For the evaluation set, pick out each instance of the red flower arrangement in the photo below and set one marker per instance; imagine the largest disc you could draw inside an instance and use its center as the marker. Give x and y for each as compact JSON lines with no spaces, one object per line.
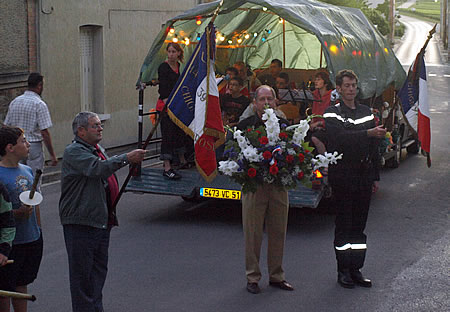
{"x":267,"y":155}
{"x":273,"y":169}
{"x":263,"y":140}
{"x":289,"y":158}
{"x":301,"y":157}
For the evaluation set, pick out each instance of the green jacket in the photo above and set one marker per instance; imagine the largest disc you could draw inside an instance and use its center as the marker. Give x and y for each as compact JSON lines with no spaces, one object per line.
{"x":83,"y":182}
{"x":7,"y":228}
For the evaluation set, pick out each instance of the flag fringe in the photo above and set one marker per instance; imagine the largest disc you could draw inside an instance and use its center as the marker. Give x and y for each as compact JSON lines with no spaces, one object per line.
{"x":209,"y":178}
{"x":180,"y":124}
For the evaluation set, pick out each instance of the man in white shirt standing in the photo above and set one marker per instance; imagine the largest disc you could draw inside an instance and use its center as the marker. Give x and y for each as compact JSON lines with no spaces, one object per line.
{"x":29,"y":112}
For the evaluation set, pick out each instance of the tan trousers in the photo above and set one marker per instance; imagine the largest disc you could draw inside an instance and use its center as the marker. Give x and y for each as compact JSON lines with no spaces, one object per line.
{"x":270,"y":205}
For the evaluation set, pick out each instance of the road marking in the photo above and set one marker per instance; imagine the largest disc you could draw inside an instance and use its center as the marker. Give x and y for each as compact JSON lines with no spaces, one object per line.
{"x":51,"y":183}
{"x":432,"y":75}
{"x":446,"y":76}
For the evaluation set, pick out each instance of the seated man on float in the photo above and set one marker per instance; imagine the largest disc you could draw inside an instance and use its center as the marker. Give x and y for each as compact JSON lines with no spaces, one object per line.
{"x":322,"y":96}
{"x":290,"y":109}
{"x":249,"y":78}
{"x":270,"y":78}
{"x":232,"y":105}
{"x":223,"y":86}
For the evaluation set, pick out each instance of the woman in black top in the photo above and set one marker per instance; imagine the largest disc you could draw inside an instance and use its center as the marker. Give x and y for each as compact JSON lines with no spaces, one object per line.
{"x":172,"y":136}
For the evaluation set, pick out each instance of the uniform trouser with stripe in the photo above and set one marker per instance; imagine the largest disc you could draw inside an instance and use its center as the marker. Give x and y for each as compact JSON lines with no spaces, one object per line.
{"x":270,"y":206}
{"x":352,"y":208}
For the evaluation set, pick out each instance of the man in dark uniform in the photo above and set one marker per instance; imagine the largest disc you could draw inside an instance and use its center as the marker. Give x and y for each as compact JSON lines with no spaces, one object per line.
{"x":351,"y":131}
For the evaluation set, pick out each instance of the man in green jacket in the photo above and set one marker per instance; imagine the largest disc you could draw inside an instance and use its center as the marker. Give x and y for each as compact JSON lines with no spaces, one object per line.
{"x":88,"y":191}
{"x":7,"y":228}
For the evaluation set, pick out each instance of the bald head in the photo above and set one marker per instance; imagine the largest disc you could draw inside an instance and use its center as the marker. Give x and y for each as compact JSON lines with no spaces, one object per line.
{"x":264,"y":95}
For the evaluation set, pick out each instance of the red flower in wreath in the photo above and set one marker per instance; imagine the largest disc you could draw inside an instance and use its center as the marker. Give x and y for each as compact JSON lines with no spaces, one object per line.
{"x":251,"y":172}
{"x":249,"y":130}
{"x":301,"y":157}
{"x":267,"y":155}
{"x":263,"y":140}
{"x":257,"y":131}
{"x":283,"y":135}
{"x":300,"y":175}
{"x":273,"y":169}
{"x":289,"y":158}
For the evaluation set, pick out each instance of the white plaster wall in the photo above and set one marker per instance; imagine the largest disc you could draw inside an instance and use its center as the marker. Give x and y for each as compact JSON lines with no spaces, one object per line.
{"x":127,"y":37}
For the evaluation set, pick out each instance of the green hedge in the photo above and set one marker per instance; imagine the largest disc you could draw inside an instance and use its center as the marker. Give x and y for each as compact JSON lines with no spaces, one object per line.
{"x":432,"y":17}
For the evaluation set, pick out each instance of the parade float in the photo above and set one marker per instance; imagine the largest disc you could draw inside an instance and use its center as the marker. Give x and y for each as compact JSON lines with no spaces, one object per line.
{"x":307,"y":36}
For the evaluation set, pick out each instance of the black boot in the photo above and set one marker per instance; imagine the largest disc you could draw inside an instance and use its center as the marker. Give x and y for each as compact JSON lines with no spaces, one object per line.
{"x":359,"y":279}
{"x":345,"y":280}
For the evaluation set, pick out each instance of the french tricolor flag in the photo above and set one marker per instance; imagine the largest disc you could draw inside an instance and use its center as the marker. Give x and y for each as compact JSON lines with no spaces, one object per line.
{"x":414,"y":98}
{"x":194,"y":104}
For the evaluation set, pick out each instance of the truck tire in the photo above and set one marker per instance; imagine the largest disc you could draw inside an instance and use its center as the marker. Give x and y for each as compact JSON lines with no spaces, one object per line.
{"x":394,"y":162}
{"x":413,"y":148}
{"x":193,"y":198}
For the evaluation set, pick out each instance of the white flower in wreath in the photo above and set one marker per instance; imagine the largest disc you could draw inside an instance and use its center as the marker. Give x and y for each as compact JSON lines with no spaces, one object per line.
{"x":323,"y":161}
{"x":242,"y":141}
{"x":286,"y":180}
{"x":272,"y":126}
{"x":291,"y":151}
{"x":300,"y":131}
{"x":269,"y":179}
{"x":252,"y":154}
{"x":228,"y":167}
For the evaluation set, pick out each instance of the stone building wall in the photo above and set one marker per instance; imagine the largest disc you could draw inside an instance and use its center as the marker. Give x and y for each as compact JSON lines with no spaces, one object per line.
{"x":18,"y":49}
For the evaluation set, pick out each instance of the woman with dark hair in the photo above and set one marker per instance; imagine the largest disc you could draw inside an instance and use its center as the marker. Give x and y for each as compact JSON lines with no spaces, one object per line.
{"x":173,"y":138}
{"x":322,"y":96}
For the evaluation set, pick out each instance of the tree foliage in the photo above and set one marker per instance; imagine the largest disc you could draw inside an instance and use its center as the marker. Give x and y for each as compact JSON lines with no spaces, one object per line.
{"x":373,"y":15}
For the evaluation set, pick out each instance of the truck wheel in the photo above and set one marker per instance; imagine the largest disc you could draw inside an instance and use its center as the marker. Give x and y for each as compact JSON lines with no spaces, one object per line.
{"x":413,"y":148}
{"x":193,"y":198}
{"x":394,"y":162}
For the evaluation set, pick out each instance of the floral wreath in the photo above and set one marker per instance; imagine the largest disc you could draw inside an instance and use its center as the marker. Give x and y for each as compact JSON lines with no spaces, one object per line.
{"x":272,"y":154}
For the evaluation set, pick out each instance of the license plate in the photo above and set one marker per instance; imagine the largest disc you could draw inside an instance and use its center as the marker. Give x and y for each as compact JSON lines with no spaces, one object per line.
{"x":220,"y":193}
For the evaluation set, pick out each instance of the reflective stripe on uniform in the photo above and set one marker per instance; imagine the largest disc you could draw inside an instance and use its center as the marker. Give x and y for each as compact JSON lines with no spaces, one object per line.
{"x":351,"y":246}
{"x":355,"y":122}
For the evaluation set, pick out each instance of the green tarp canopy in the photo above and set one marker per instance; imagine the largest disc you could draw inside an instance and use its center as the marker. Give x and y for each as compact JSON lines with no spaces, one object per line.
{"x":305,"y":34}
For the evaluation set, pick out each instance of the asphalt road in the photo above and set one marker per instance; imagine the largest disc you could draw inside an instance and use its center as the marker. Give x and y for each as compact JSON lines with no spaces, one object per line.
{"x":415,"y":35}
{"x":167,"y":255}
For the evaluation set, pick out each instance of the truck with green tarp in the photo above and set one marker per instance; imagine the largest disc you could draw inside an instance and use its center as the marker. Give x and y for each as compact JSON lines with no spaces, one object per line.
{"x":307,"y":36}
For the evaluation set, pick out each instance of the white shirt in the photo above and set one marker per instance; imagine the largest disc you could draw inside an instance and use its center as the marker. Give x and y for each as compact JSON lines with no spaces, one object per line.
{"x":29,"y":112}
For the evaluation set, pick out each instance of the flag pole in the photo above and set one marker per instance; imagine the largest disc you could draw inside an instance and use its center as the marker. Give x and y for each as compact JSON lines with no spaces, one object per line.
{"x":216,"y":12}
{"x":155,"y":126}
{"x":430,"y":35}
{"x":415,"y":72}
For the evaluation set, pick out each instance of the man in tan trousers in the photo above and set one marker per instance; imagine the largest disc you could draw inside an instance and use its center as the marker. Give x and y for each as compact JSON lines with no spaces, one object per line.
{"x":269,"y":205}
